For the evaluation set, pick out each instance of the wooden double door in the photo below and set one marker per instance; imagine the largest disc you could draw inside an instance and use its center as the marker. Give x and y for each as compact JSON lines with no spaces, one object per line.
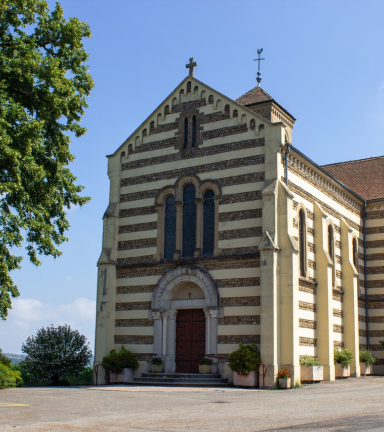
{"x":190,"y":340}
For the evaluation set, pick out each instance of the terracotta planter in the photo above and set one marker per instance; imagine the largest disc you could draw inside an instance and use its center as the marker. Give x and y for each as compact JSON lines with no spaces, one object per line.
{"x":250,"y":380}
{"x":122,"y":377}
{"x":156,"y":368}
{"x":365,"y":369}
{"x":285,"y":383}
{"x":341,"y":372}
{"x":311,"y":373}
{"x":205,"y":369}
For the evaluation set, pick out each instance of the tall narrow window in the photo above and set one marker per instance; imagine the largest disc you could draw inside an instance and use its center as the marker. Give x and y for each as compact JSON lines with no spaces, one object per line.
{"x":354,"y":251}
{"x":193,"y":131}
{"x":302,"y":237}
{"x":208,"y":223}
{"x":330,"y":241}
{"x":170,"y":228}
{"x":185,"y":132}
{"x":189,"y":221}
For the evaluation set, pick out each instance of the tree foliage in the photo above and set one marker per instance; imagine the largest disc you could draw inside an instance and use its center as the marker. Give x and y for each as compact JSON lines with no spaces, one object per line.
{"x":54,"y":353}
{"x":8,"y":376}
{"x":117,"y":361}
{"x":44,"y":84}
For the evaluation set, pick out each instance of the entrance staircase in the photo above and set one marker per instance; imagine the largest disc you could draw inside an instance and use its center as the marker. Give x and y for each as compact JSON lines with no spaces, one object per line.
{"x":180,"y":379}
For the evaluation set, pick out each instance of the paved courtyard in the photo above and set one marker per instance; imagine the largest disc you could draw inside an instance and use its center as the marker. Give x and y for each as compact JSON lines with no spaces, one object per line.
{"x":348,"y":405}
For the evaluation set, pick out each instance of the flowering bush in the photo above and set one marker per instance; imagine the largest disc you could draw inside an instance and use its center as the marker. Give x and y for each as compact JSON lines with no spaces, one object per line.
{"x":205,"y":361}
{"x":283,"y":373}
{"x":245,"y":359}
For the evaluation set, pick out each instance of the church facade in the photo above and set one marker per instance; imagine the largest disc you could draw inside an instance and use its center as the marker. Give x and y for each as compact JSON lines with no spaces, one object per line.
{"x":219,"y":232}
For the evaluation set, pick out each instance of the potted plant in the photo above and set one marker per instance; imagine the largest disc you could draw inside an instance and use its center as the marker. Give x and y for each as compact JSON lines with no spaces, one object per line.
{"x":245,"y":363}
{"x":157,"y":364}
{"x":310,"y":369}
{"x":366,"y":362}
{"x":205,"y":365}
{"x":284,"y":379}
{"x":120,"y":365}
{"x":343,"y":359}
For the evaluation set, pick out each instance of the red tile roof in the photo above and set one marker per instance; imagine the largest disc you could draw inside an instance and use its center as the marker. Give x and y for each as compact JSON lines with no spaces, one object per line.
{"x":256,"y":95}
{"x":364,"y":176}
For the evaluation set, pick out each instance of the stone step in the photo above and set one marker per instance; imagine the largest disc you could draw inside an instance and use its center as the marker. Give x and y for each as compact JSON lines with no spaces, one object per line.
{"x":165,"y":383}
{"x":179,"y":375}
{"x":191,"y":380}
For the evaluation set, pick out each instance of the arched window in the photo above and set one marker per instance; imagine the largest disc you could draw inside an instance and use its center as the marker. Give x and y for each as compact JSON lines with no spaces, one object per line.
{"x":330,"y":241}
{"x":208,"y":222}
{"x":170,"y":227}
{"x":189,"y":221}
{"x":193,"y":131}
{"x":210,"y":99}
{"x":235,"y":113}
{"x":302,"y":242}
{"x":354,"y":251}
{"x":253,"y":124}
{"x":185,"y":132}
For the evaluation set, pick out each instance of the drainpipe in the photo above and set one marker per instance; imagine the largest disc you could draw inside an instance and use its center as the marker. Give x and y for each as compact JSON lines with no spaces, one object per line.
{"x":286,"y":162}
{"x":365,"y":276}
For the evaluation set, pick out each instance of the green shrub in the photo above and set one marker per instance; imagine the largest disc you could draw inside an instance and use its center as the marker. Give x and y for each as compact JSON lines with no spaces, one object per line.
{"x":245,"y":359}
{"x":367,"y":357}
{"x":117,"y":361}
{"x":157,"y":361}
{"x":85,"y":377}
{"x":8,"y":377}
{"x":343,"y":356}
{"x":205,"y":361}
{"x":309,"y":361}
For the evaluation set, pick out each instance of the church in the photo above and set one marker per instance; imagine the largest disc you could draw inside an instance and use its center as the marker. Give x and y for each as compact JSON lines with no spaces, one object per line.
{"x":219,"y":231}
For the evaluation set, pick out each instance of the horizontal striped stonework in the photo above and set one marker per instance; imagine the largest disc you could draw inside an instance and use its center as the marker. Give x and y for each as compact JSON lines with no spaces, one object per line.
{"x":164,"y":128}
{"x":138,"y":211}
{"x":377,"y":214}
{"x":135,"y":289}
{"x":311,"y":231}
{"x":375,"y":230}
{"x":250,"y":250}
{"x":241,"y":197}
{"x":379,"y":362}
{"x":337,"y":295}
{"x":134,"y":322}
{"x":339,"y":274}
{"x":338,"y":328}
{"x":375,"y":270}
{"x":338,"y":344}
{"x":374,"y":257}
{"x":139,"y":195}
{"x":199,"y":169}
{"x":133,"y":340}
{"x":238,"y":264}
{"x":376,"y":347}
{"x":156,"y":145}
{"x":137,"y":244}
{"x":309,"y":342}
{"x":148,"y":226}
{"x":174,"y":157}
{"x":361,"y":302}
{"x":375,"y":244}
{"x":307,"y":306}
{"x":237,"y":339}
{"x":310,"y":214}
{"x":240,"y":301}
{"x":337,"y":229}
{"x":214,"y":117}
{"x":374,"y":284}
{"x":338,"y":259}
{"x":140,"y":260}
{"x":177,"y":108}
{"x":240,"y":320}
{"x":226,"y":131}
{"x":237,"y":282}
{"x":133,"y":306}
{"x":311,"y":264}
{"x":376,"y":333}
{"x":311,"y":247}
{"x":375,"y":305}
{"x":362,"y":318}
{"x":240,"y":215}
{"x":307,"y":286}
{"x":240,"y":233}
{"x":338,"y":313}
{"x":337,"y":244}
{"x":305,"y":323}
{"x":375,"y":319}
{"x":362,"y":333}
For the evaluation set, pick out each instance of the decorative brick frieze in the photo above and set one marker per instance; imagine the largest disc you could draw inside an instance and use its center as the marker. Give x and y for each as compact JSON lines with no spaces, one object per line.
{"x":362,"y":318}
{"x":374,"y":257}
{"x":223,"y":132}
{"x":338,"y":259}
{"x":374,"y":284}
{"x":214,"y":117}
{"x":143,"y":322}
{"x":375,"y":297}
{"x":138,"y":211}
{"x":133,"y":306}
{"x":361,"y":303}
{"x":311,"y":264}
{"x":361,"y":243}
{"x":141,"y":272}
{"x":309,"y":342}
{"x":237,"y":282}
{"x":156,"y":145}
{"x":188,"y":105}
{"x":305,"y":323}
{"x":338,"y":328}
{"x":164,"y":128}
{"x":375,"y":319}
{"x":135,"y":289}
{"x":338,"y":344}
{"x":377,"y":214}
{"x":139,"y":195}
{"x":148,"y":226}
{"x":338,"y":313}
{"x":236,"y":339}
{"x":240,"y":320}
{"x":240,"y":301}
{"x":337,"y":296}
{"x":312,"y":279}
{"x":310,"y":215}
{"x":376,"y":333}
{"x":375,"y":270}
{"x":337,"y":244}
{"x":361,"y":282}
{"x":337,"y":229}
{"x":311,"y":247}
{"x":240,"y":251}
{"x":308,"y":289}
{"x":199,"y":169}
{"x":374,"y":230}
{"x":240,"y":215}
{"x":241,"y":197}
{"x":133,"y":340}
{"x":240,"y":233}
{"x":307,"y":306}
{"x":375,"y":305}
{"x":238,"y":264}
{"x":311,"y":231}
{"x":339,"y":274}
{"x":375,"y":244}
{"x":137,"y":244}
{"x":139,"y":260}
{"x":199,"y":152}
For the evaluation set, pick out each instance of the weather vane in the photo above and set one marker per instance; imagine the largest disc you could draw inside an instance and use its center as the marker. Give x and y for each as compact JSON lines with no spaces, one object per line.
{"x":258,"y":79}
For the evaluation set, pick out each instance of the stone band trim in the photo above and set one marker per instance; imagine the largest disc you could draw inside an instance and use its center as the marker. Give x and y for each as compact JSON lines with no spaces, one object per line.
{"x":156,"y":145}
{"x":375,"y":257}
{"x":135,"y":289}
{"x":375,"y":244}
{"x":188,"y":105}
{"x":140,"y":260}
{"x":311,"y":264}
{"x":338,"y":328}
{"x":251,"y":250}
{"x":338,"y":344}
{"x":237,"y":282}
{"x":374,"y":230}
{"x":138,"y":211}
{"x":199,"y":152}
{"x":375,"y":270}
{"x":237,"y":339}
{"x":305,"y":323}
{"x":137,"y":244}
{"x":338,"y":313}
{"x":241,"y":197}
{"x":307,"y":306}
{"x":305,"y":341}
{"x":137,"y":227}
{"x":376,"y":333}
{"x":133,"y":306}
{"x":376,"y":214}
{"x":133,"y":340}
{"x":134,"y":322}
{"x":374,"y":284}
{"x":240,"y":301}
{"x":376,"y":305}
{"x":338,"y":296}
{"x":223,"y":132}
{"x":240,"y":320}
{"x":164,"y":128}
{"x":240,"y":233}
{"x":240,"y":215}
{"x":135,"y":196}
{"x":214,"y":117}
{"x":224,"y":265}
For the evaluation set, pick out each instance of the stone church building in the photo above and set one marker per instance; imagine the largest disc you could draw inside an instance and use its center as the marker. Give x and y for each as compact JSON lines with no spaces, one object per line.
{"x":219,"y":232}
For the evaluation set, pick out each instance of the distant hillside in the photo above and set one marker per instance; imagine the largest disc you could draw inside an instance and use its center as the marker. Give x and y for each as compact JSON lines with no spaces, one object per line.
{"x":15,"y":358}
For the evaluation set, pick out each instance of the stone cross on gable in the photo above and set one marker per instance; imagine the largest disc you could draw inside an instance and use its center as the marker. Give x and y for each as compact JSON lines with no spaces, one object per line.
{"x":190,"y":66}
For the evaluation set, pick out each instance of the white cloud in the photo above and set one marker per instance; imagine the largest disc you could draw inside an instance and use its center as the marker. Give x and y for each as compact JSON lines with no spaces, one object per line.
{"x":28,"y":315}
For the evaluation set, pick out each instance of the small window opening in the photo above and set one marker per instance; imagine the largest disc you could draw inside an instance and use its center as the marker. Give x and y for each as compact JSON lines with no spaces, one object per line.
{"x":193,"y":131}
{"x":185,"y":132}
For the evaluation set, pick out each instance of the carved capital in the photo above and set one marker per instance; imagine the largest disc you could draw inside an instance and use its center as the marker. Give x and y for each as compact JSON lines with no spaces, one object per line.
{"x":165,"y":315}
{"x":156,"y":315}
{"x":214,"y":313}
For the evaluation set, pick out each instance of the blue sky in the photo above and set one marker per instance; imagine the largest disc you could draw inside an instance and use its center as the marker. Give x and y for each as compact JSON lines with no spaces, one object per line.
{"x":324,"y":64}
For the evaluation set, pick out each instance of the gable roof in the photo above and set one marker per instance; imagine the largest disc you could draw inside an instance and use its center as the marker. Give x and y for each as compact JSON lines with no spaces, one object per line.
{"x":254,"y":96}
{"x":364,"y":176}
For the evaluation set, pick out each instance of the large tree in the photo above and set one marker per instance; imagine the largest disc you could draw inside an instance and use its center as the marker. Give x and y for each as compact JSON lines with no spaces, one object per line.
{"x":44,"y":85}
